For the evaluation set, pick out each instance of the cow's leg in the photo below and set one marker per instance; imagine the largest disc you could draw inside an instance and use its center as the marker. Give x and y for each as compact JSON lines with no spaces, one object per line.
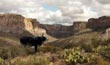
{"x":35,"y":49}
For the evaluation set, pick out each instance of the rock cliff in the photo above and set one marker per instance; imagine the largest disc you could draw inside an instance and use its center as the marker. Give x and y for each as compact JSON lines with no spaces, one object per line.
{"x":61,"y":31}
{"x":33,"y":26}
{"x":58,"y":31}
{"x":18,"y":25}
{"x":99,"y":23}
{"x":12,"y":24}
{"x":79,"y":26}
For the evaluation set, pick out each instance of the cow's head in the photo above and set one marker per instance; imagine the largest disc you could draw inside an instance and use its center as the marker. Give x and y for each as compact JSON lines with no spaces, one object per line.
{"x":43,"y":37}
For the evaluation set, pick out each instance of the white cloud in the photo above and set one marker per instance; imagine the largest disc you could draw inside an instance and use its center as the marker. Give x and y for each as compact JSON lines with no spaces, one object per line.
{"x":68,"y":10}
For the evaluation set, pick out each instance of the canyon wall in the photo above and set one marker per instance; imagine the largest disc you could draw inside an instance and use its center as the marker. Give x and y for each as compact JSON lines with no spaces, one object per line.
{"x":58,"y":31}
{"x":17,"y":25}
{"x":79,"y":26}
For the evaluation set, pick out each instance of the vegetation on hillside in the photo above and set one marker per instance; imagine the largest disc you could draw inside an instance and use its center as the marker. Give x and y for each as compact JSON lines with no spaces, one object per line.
{"x":95,"y":53}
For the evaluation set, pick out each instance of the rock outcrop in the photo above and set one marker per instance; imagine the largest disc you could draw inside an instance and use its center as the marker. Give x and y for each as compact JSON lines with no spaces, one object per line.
{"x":18,"y":25}
{"x":79,"y":26}
{"x":33,"y":26}
{"x":99,"y":23}
{"x":12,"y":24}
{"x":28,"y":24}
{"x":58,"y":31}
{"x":61,"y":31}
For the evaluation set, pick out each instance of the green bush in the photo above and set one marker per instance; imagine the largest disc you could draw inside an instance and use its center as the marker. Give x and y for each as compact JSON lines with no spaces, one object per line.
{"x":74,"y":56}
{"x":1,"y":61}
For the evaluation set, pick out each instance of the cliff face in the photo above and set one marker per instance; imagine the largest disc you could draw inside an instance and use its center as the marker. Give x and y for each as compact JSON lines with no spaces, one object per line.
{"x":17,"y":25}
{"x":12,"y":24}
{"x":11,"y":21}
{"x":33,"y":26}
{"x":28,"y":24}
{"x":99,"y":23}
{"x":79,"y":25}
{"x":58,"y":31}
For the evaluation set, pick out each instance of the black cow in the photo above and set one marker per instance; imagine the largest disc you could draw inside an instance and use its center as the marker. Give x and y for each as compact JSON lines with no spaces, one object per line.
{"x":32,"y":41}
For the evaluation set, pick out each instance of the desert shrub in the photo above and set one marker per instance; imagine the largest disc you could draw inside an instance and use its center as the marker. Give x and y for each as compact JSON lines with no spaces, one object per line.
{"x":5,"y":53}
{"x":33,"y":60}
{"x":87,"y":47}
{"x":28,"y":50}
{"x":14,"y":51}
{"x":106,"y":42}
{"x":104,"y":51}
{"x":52,"y":49}
{"x":39,"y":60}
{"x":95,"y":42}
{"x":1,"y":61}
{"x":69,"y":46}
{"x":74,"y":56}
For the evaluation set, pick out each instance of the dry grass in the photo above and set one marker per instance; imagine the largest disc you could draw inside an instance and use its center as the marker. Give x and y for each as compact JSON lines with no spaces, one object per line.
{"x":8,"y":41}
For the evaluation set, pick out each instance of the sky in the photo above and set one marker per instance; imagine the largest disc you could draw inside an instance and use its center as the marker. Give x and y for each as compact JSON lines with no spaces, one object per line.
{"x":57,"y":11}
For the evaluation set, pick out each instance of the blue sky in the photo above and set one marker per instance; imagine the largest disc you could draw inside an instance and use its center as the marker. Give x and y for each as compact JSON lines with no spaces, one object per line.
{"x":49,"y":7}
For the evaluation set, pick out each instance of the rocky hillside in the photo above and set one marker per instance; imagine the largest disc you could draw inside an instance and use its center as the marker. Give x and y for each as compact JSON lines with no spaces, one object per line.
{"x":83,"y":37}
{"x":85,"y":34}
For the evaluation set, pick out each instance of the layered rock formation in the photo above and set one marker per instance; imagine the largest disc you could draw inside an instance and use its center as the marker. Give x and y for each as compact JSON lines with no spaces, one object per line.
{"x":33,"y":26}
{"x":61,"y":31}
{"x":17,"y":25}
{"x":58,"y":31}
{"x":12,"y":24}
{"x":79,"y":25}
{"x":28,"y":24}
{"x":99,"y":23}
